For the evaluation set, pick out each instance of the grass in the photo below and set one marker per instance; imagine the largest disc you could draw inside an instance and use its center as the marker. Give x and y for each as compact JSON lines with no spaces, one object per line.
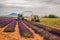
{"x":53,"y":22}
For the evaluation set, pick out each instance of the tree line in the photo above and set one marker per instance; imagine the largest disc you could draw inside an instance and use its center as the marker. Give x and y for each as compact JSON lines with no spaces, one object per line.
{"x":50,"y":16}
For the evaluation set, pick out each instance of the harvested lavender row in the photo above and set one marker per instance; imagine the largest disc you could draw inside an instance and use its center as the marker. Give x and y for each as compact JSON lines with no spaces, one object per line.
{"x":24,"y":31}
{"x":45,"y":34}
{"x":49,"y":29}
{"x":11,"y":27}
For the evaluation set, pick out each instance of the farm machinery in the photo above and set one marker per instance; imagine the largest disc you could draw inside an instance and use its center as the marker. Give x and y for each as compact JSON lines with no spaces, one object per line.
{"x":35,"y":18}
{"x":20,"y":17}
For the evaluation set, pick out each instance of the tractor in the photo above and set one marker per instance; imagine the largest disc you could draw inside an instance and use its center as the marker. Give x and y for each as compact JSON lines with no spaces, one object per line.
{"x":20,"y":17}
{"x":35,"y":18}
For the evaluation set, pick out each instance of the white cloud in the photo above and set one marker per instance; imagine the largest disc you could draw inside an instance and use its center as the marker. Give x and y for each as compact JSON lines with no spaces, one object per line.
{"x":40,"y":7}
{"x":30,"y":3}
{"x":23,"y":3}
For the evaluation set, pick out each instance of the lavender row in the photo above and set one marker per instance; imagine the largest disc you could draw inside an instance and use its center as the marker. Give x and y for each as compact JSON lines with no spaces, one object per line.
{"x":46,"y":35}
{"x":11,"y":27}
{"x":49,"y":29}
{"x":24,"y":31}
{"x":5,"y":21}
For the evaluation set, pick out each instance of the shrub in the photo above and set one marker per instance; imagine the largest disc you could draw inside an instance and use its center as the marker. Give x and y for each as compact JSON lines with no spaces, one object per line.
{"x":26,"y":34}
{"x":41,"y":32}
{"x":51,"y":38}
{"x":48,"y":37}
{"x":48,"y":29}
{"x":8,"y":30}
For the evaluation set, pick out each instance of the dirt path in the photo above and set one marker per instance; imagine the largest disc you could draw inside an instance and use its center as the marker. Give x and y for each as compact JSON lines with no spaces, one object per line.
{"x":36,"y":36}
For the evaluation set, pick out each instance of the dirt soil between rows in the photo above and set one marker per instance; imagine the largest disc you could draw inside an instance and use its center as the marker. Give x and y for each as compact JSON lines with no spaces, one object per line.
{"x":16,"y":35}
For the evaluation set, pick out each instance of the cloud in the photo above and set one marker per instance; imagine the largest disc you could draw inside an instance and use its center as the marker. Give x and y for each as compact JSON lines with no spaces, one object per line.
{"x":48,"y":1}
{"x":2,"y":0}
{"x":23,"y":3}
{"x":52,"y":1}
{"x":40,"y":7}
{"x":30,"y":3}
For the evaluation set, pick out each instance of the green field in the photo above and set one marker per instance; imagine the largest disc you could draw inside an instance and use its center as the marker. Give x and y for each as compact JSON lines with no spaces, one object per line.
{"x":53,"y":22}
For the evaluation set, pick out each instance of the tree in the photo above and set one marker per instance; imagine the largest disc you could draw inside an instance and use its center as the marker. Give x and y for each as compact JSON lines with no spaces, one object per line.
{"x":52,"y":16}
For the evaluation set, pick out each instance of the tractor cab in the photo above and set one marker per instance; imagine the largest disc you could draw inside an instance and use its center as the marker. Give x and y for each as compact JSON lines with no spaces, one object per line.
{"x":35,"y":18}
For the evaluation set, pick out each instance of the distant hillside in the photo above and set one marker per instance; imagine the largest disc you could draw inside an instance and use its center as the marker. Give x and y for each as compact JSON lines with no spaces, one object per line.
{"x":13,"y":15}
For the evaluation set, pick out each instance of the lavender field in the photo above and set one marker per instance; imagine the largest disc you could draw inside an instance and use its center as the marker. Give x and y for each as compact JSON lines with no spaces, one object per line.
{"x":22,"y":29}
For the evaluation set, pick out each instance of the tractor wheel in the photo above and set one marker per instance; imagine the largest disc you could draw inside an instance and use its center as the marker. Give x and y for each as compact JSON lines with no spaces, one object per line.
{"x":37,"y":20}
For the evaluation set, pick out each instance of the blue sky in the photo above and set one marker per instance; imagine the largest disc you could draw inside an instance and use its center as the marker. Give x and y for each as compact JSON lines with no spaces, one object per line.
{"x":39,"y":7}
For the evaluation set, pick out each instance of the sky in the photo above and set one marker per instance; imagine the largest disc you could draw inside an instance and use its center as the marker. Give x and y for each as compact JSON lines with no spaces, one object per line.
{"x":38,"y":7}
